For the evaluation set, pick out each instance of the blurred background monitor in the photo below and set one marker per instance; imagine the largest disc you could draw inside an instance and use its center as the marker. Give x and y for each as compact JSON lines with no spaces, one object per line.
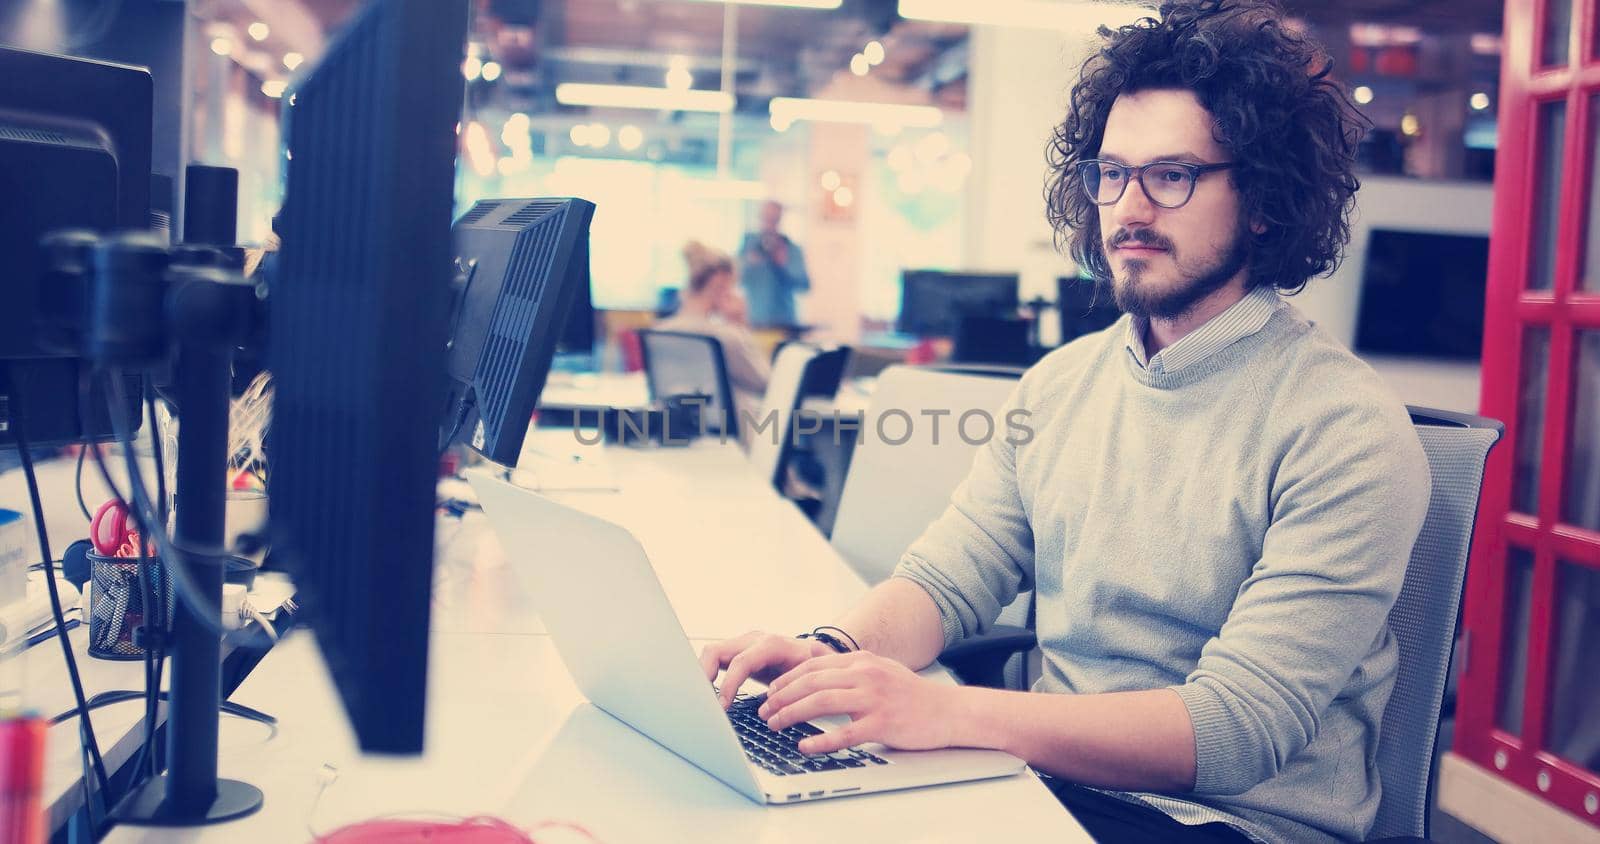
{"x":1422,"y":295}
{"x":74,"y":154}
{"x":932,"y":302}
{"x":1085,"y":306}
{"x":525,"y":264}
{"x":360,"y":313}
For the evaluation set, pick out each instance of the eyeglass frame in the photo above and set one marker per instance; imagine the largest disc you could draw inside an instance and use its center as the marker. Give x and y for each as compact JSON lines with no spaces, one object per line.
{"x":1137,"y":173}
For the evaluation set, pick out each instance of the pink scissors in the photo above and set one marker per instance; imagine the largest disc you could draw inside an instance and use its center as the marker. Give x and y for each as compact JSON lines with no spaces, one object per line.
{"x":108,"y":530}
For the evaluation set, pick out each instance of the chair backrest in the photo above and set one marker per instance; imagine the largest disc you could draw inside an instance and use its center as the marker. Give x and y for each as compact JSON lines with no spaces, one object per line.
{"x":678,"y":363}
{"x":894,"y":491}
{"x":1423,"y":620}
{"x":772,"y":435}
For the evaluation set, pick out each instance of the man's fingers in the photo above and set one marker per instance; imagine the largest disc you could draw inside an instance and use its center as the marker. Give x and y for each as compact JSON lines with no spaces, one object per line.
{"x":850,"y":735}
{"x":810,"y":683}
{"x":749,"y":661}
{"x":715,"y":656}
{"x":816,"y":663}
{"x":817,"y":705}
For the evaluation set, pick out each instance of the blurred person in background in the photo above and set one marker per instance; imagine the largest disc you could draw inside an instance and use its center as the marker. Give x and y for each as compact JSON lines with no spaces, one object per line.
{"x":710,"y":305}
{"x":774,"y":270}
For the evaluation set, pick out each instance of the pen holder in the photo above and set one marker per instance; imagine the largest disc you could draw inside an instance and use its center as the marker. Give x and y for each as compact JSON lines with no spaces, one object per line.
{"x":116,"y":604}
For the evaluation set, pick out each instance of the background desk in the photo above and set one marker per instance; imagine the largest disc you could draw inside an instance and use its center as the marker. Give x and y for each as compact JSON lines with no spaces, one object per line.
{"x":509,"y":733}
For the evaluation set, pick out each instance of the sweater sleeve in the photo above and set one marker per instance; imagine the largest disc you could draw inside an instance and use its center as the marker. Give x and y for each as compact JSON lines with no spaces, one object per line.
{"x":978,"y":555}
{"x":1348,"y":497}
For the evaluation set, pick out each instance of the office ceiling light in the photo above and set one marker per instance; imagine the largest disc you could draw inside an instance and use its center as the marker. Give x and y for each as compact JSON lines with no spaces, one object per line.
{"x":1480,"y":101}
{"x":292,"y":60}
{"x":1362,"y":94}
{"x":579,"y":135}
{"x":637,"y":96}
{"x":844,"y":197}
{"x":630,"y":137}
{"x":859,"y":65}
{"x":491,"y":71}
{"x":1027,"y":14}
{"x":795,"y":4}
{"x":874,"y":53}
{"x":259,"y":31}
{"x":831,"y":180}
{"x":274,"y":88}
{"x":222,"y":46}
{"x":1410,"y":126}
{"x":790,"y":109}
{"x":472,"y":67}
{"x":599,"y":135}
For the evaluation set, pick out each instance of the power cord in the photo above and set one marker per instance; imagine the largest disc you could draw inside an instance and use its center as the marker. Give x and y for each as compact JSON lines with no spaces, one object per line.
{"x":77,"y":483}
{"x":152,"y":644}
{"x":112,"y":698}
{"x":172,"y":556}
{"x":85,"y":729}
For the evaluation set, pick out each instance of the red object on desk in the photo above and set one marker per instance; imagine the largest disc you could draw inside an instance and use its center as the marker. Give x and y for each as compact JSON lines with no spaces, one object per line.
{"x":22,"y":780}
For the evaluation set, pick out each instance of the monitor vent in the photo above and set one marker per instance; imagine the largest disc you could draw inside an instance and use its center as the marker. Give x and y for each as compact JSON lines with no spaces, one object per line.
{"x":531,"y":212}
{"x":478,"y":212}
{"x":515,"y":314}
{"x":42,"y":136}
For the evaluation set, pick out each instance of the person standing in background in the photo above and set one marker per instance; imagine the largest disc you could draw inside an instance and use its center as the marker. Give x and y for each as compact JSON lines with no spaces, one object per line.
{"x":774,"y":269}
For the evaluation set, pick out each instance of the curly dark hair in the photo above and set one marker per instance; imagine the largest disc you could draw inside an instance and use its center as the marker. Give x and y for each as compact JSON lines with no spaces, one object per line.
{"x":1289,"y":127}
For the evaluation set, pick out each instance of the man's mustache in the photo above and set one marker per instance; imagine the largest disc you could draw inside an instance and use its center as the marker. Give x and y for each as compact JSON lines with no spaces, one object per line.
{"x":1144,"y":237}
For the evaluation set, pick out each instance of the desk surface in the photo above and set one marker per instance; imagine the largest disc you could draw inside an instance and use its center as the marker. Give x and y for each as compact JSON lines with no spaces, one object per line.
{"x":510,"y":735}
{"x":704,"y":517}
{"x":508,"y":732}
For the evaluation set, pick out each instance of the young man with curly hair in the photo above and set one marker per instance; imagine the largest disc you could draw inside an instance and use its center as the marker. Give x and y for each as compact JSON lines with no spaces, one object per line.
{"x":1218,"y":502}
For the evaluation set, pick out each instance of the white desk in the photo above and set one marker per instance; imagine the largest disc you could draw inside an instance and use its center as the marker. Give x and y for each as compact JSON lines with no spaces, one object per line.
{"x":707,"y":521}
{"x":509,"y":734}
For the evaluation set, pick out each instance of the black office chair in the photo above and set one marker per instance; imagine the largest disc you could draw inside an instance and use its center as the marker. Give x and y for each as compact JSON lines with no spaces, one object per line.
{"x":1423,"y":622}
{"x":678,"y":363}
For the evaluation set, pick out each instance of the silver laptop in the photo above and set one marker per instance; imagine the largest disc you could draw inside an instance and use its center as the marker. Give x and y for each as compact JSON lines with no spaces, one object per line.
{"x":610,"y":620}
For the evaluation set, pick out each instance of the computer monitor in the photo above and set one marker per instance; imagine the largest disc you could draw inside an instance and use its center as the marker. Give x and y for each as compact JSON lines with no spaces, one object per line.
{"x":1085,"y":306}
{"x":75,"y":139}
{"x":359,"y":315}
{"x":1422,"y":295}
{"x":932,"y":302}
{"x":524,"y":262}
{"x":578,"y":334}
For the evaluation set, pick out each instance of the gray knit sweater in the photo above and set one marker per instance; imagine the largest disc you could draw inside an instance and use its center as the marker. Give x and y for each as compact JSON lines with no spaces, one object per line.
{"x":1236,"y":530}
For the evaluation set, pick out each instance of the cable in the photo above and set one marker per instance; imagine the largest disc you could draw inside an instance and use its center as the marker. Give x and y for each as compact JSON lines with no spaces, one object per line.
{"x":117,"y":696}
{"x":463,"y":409}
{"x":77,"y":484}
{"x":170,"y":553}
{"x":85,"y":728}
{"x":155,"y":446}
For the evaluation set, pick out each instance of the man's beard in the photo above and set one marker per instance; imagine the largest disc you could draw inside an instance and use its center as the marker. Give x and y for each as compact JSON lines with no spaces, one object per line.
{"x":1143,"y":301}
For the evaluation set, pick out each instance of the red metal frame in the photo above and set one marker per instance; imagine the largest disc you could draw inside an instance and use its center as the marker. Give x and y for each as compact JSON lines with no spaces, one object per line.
{"x":1512,"y":308}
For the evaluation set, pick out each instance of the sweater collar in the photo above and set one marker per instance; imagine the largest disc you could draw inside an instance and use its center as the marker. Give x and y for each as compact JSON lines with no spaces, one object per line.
{"x":1242,"y":319}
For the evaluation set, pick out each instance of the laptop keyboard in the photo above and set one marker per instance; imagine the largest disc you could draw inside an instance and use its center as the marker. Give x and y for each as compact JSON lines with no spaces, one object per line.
{"x":778,"y":752}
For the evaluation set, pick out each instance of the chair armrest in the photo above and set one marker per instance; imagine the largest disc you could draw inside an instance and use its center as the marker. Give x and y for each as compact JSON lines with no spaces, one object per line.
{"x":981,"y":660}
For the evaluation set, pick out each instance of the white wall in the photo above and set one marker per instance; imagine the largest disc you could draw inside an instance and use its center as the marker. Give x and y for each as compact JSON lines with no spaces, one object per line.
{"x":1413,"y":205}
{"x":1017,"y":92}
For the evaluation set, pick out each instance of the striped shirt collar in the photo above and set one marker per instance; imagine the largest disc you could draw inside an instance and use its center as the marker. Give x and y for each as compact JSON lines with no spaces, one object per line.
{"x":1242,"y":319}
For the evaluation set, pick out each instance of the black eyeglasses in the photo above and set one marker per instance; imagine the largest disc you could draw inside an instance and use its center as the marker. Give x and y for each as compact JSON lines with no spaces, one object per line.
{"x":1169,"y":184}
